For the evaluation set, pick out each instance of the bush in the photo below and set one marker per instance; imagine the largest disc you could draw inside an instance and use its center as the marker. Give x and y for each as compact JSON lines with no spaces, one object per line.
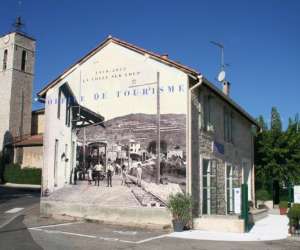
{"x":14,"y":174}
{"x":294,"y":216}
{"x":283,"y":204}
{"x":180,"y":206}
{"x":262,"y":195}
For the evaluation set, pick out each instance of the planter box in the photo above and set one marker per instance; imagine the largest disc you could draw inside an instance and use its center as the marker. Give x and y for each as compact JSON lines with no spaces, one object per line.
{"x":283,"y":210}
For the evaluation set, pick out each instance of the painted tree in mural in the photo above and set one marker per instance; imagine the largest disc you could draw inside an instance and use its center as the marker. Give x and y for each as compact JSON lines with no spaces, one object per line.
{"x":277,"y":152}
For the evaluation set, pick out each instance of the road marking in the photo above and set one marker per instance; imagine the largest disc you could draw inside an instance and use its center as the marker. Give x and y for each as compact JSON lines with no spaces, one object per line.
{"x":126,"y":232}
{"x":9,"y":220}
{"x":41,"y":229}
{"x":56,"y":225}
{"x":14,"y":210}
{"x":152,"y":238}
{"x":62,"y":232}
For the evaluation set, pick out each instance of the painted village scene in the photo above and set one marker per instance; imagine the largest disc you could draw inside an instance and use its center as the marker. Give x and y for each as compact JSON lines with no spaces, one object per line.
{"x":128,"y":144}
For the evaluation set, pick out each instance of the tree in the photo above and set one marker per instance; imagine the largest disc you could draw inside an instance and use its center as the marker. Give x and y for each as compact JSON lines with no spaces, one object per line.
{"x":261,"y":122}
{"x":277,"y":152}
{"x":276,"y":126}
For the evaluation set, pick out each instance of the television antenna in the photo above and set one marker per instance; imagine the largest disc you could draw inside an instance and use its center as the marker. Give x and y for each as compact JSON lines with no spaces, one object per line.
{"x":222,"y":74}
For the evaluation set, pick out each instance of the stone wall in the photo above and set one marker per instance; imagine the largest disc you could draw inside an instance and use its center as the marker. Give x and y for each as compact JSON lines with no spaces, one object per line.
{"x":235,"y":153}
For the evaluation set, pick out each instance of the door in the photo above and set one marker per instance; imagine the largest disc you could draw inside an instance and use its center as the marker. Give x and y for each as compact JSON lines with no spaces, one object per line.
{"x":209,"y":187}
{"x":232,"y":181}
{"x":56,"y":163}
{"x":66,"y":163}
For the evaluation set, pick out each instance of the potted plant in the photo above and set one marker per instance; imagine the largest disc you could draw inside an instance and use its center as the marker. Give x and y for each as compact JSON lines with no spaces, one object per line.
{"x":180,"y":205}
{"x":294,"y":218}
{"x":283,"y":207}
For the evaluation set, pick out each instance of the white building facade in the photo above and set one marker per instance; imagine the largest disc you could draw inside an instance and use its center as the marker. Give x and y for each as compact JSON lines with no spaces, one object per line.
{"x":116,"y":87}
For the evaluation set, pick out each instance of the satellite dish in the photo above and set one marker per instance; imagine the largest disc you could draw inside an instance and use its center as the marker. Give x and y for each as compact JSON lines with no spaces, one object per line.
{"x":221,"y":76}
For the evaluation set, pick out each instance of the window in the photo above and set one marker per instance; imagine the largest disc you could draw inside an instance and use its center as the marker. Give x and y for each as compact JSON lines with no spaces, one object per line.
{"x":68,"y":111}
{"x":59,"y":103}
{"x":209,"y":187}
{"x":207,"y":103}
{"x":5,"y":59}
{"x":228,"y":125}
{"x":24,"y":59}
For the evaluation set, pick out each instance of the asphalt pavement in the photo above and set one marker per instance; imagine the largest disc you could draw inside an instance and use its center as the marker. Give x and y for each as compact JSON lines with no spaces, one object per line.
{"x":25,"y":229}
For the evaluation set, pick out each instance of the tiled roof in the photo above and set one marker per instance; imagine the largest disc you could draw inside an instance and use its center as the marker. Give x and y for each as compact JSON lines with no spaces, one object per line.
{"x":33,"y":140}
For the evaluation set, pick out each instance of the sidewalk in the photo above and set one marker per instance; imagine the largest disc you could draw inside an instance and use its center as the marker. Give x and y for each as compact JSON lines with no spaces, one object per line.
{"x":273,"y":227}
{"x":15,"y":185}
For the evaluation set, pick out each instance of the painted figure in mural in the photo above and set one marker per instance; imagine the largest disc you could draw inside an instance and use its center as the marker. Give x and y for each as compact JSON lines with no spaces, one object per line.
{"x":109,"y":172}
{"x":124,"y":174}
{"x":117,"y":168}
{"x":90,"y":174}
{"x":98,"y":168}
{"x":139,"y":174}
{"x":76,"y":172}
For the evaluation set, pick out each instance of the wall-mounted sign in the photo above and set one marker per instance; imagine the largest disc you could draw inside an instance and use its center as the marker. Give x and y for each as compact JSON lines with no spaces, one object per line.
{"x":237,"y":200}
{"x":218,"y":148}
{"x":296,"y":194}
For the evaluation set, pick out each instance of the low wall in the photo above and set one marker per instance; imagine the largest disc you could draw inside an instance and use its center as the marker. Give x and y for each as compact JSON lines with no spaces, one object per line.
{"x":219,"y":224}
{"x":134,"y":216}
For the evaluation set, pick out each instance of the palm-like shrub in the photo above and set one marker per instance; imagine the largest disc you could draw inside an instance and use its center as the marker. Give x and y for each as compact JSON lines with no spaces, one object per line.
{"x":180,"y":206}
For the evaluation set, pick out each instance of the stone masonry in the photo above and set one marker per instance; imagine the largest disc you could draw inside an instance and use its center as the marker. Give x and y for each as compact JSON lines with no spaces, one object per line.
{"x":235,"y":152}
{"x":16,"y":86}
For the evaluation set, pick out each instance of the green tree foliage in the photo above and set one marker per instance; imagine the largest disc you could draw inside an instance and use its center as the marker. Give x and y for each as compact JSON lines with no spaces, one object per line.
{"x":276,"y":126}
{"x":277,"y":152}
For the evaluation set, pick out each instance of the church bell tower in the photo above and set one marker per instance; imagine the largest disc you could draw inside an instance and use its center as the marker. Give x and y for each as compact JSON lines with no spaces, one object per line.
{"x":17,"y":56}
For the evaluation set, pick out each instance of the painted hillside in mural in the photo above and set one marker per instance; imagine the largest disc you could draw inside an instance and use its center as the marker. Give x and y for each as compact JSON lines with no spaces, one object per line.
{"x":130,"y":141}
{"x":141,"y":128}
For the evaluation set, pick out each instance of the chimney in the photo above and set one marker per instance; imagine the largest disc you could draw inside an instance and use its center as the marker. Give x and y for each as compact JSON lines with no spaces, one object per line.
{"x":165,"y":56}
{"x":226,"y":88}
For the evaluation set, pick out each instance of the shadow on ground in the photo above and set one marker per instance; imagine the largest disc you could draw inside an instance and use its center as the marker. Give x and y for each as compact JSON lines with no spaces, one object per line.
{"x":16,"y":236}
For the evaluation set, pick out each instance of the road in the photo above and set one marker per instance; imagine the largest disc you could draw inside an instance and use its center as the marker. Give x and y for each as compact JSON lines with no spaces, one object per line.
{"x":27,"y":230}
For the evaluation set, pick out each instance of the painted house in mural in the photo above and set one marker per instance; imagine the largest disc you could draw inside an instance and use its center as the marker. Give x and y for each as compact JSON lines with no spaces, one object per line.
{"x":109,"y":100}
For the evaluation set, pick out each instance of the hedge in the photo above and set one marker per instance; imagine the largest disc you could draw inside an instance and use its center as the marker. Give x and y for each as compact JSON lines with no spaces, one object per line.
{"x":13,"y":173}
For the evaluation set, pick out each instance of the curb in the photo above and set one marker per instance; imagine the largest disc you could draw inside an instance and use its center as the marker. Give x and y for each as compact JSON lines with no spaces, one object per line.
{"x":15,"y":185}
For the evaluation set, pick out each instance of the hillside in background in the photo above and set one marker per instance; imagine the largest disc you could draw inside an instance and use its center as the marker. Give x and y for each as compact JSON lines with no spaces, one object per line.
{"x":141,"y":128}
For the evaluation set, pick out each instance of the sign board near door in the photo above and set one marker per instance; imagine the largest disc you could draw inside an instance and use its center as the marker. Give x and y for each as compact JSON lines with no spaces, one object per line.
{"x":237,"y":200}
{"x":297,"y":194}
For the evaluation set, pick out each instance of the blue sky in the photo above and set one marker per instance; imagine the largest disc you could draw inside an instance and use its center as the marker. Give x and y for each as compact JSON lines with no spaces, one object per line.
{"x":261,"y":39}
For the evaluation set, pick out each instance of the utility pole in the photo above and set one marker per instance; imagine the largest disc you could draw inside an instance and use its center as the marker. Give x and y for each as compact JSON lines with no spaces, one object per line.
{"x":158,"y":131}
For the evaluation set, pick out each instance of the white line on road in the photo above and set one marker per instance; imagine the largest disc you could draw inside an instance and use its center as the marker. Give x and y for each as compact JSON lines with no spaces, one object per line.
{"x":41,"y":229}
{"x":56,"y":225}
{"x":14,"y":210}
{"x":152,"y":238}
{"x":62,"y":232}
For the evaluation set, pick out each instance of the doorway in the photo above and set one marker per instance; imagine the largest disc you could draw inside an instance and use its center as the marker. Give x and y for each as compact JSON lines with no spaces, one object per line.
{"x":209,"y":187}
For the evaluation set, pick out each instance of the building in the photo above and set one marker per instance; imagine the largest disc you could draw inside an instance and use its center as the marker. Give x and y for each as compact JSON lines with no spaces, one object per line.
{"x":28,"y":149}
{"x":21,"y":130}
{"x":119,"y":83}
{"x":17,"y":59}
